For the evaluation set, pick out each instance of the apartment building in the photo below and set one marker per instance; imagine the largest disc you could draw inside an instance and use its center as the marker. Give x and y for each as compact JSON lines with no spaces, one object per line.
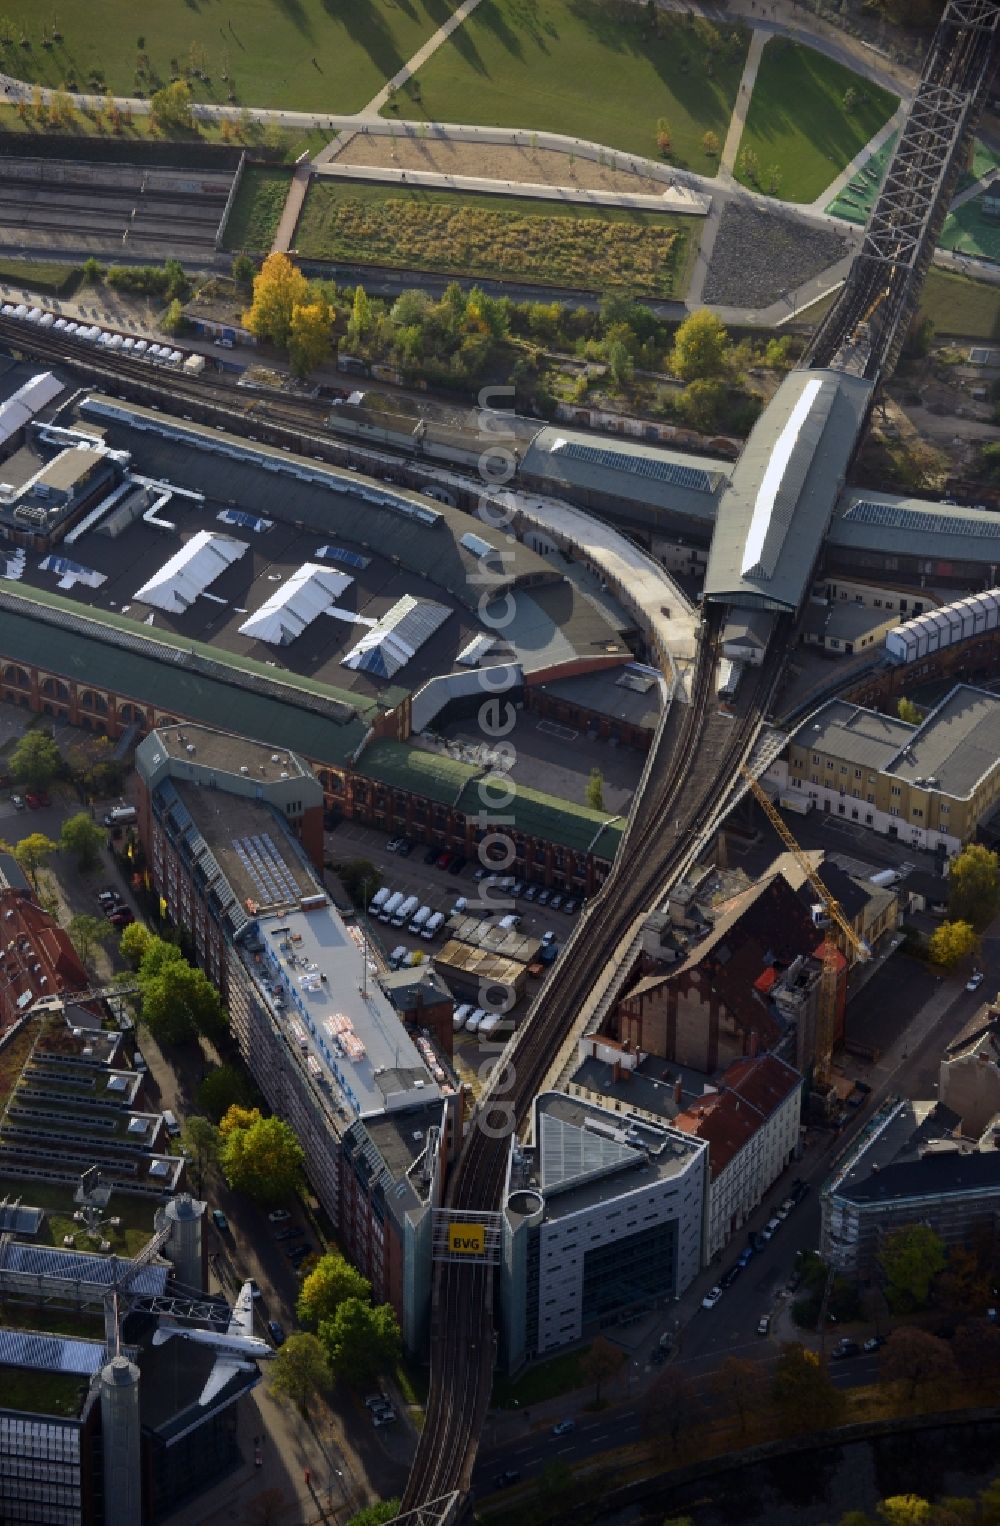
{"x":929,"y":785}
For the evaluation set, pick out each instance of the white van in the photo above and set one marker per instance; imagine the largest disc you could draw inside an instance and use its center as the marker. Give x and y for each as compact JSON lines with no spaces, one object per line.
{"x":472,"y":1022}
{"x":170,"y":1123}
{"x":388,"y":909}
{"x":459,"y":1016}
{"x":405,"y":911}
{"x":433,"y":926}
{"x":378,"y":900}
{"x":490,"y":1022}
{"x":120,"y":815}
{"x":420,"y":919}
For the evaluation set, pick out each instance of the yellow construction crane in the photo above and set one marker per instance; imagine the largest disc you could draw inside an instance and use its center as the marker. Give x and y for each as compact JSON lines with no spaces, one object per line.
{"x":826,"y":1020}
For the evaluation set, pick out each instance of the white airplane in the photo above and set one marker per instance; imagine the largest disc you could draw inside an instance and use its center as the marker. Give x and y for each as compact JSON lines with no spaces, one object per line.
{"x":239,"y":1349}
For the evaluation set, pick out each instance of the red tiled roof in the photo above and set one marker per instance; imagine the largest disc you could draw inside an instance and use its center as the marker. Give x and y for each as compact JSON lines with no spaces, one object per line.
{"x":749,"y":1091}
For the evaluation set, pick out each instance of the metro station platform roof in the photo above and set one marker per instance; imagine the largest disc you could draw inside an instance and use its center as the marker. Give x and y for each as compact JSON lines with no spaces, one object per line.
{"x":774,"y":513}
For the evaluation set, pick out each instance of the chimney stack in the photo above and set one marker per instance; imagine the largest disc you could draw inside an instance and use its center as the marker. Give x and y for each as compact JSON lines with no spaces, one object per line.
{"x":678,"y":1090}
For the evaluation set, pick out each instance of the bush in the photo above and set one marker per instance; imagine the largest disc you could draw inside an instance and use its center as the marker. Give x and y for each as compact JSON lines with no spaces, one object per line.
{"x":139,"y":280}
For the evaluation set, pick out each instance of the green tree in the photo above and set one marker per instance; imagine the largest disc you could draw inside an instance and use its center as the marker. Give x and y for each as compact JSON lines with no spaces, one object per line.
{"x":310,"y":335}
{"x":802,"y":1391}
{"x":952,"y":942}
{"x":974,"y":885}
{"x":742,"y":1388}
{"x":917,"y":1359}
{"x":702,"y":402}
{"x":81,"y":835}
{"x":910,"y":1258}
{"x":907,"y":711}
{"x":361,"y":1340}
{"x":278,"y":288}
{"x":989,"y":461}
{"x":301,"y":1370}
{"x":243,"y":271}
{"x":361,"y":315}
{"x":36,"y":759}
{"x":178,"y":1000}
{"x":134,"y":943}
{"x":264,"y":1159}
{"x":203,"y":1142}
{"x":92,"y":271}
{"x":376,"y":1515}
{"x":224,"y":1087}
{"x":87,"y":933}
{"x":595,"y":790}
{"x":31,"y":853}
{"x":178,"y":284}
{"x":170,"y":107}
{"x":173,"y":320}
{"x":700,"y":346}
{"x":360,"y":879}
{"x":331,"y":1281}
{"x":602,"y":1361}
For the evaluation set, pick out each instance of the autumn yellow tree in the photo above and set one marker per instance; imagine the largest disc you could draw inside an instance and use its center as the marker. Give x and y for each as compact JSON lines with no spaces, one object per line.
{"x":39,"y":107}
{"x":62,"y":110}
{"x":952,"y":942}
{"x":309,"y":335}
{"x":278,"y":289}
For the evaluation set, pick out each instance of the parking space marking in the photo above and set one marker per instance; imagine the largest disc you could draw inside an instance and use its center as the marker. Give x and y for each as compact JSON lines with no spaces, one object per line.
{"x":564,"y":733}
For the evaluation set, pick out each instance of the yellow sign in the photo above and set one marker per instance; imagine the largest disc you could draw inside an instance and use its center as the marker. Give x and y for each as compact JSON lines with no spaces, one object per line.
{"x":467,"y":1239}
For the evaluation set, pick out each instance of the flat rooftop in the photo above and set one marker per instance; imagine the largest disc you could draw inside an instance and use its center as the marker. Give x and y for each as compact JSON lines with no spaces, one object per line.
{"x":229,"y":823}
{"x":229,"y":754}
{"x":956,"y":745}
{"x":334,"y":1015}
{"x":651,"y":1086}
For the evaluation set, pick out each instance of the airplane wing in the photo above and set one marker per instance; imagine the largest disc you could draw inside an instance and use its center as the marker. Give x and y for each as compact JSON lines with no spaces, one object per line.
{"x":241,"y":1322}
{"x":225,"y":1368}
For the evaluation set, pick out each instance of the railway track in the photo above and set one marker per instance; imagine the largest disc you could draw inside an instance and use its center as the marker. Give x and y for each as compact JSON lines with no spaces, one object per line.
{"x":688,"y":781}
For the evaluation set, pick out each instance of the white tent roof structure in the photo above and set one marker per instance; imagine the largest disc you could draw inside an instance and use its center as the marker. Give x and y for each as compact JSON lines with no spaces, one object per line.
{"x":17,"y":409}
{"x":402,"y":630}
{"x":296,"y":604}
{"x":194,"y":568}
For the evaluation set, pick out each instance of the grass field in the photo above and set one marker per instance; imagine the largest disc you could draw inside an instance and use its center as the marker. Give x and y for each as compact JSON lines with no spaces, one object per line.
{"x":256,"y":210}
{"x":551,"y":243}
{"x":136,"y":1215}
{"x":546,"y":1380}
{"x":957,"y":305}
{"x":312,"y":55}
{"x":575,"y":67}
{"x":40,"y":275}
{"x":970,"y":231}
{"x":797,"y":119}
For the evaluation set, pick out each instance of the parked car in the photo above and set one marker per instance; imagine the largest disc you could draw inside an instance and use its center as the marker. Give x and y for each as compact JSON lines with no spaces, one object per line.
{"x":278,"y":1216}
{"x":799,"y":1189}
{"x":17,"y":801}
{"x":507,"y":1477}
{"x":549,"y":954}
{"x":531,"y":893}
{"x":571,"y":907}
{"x":382,"y":1417}
{"x":728,"y":1278}
{"x":771,"y":1228}
{"x":764,"y":1324}
{"x":405,"y":847}
{"x":444,"y":860}
{"x":786,"y":1208}
{"x":219,"y":1220}
{"x":845,"y":1347}
{"x":121,"y":918}
{"x":975,"y":981}
{"x":563,"y":1427}
{"x":378,"y":1400}
{"x":32,"y":801}
{"x":459,"y":906}
{"x":745,"y":1258}
{"x":544,"y":896}
{"x":392,"y":846}
{"x":556,"y":902}
{"x":548,"y":936}
{"x":276,"y":1331}
{"x":711,"y":1298}
{"x":874,"y":1343}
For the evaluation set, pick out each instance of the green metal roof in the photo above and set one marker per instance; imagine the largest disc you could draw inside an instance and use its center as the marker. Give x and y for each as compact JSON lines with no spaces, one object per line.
{"x":442,"y":779}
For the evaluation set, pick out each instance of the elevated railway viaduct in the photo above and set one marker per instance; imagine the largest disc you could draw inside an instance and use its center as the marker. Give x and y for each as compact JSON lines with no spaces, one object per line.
{"x":772,"y":519}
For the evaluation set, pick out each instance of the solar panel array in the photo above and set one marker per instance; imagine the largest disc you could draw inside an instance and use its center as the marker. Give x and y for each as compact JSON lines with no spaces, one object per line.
{"x":670,"y":472}
{"x":50,"y":1353}
{"x":245,"y":521}
{"x":892,"y":516}
{"x":79,"y":1266}
{"x":266,"y":867}
{"x":341,"y":554}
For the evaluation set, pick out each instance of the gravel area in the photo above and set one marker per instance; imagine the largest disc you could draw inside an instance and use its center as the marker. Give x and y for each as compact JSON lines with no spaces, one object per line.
{"x":497,"y":161}
{"x":758,"y":256}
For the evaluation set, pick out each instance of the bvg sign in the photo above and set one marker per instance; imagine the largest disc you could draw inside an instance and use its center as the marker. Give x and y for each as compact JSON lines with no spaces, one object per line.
{"x":467,"y":1239}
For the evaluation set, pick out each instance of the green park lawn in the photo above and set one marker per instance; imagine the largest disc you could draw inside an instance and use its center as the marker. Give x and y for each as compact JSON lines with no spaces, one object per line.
{"x":256,"y":211}
{"x":960,"y":306}
{"x":311,"y":55}
{"x":970,"y":231}
{"x":576,"y":67}
{"x":797,"y":120}
{"x":554,"y":243}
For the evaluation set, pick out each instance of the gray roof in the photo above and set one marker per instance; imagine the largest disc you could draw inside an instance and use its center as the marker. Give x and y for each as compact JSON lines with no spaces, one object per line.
{"x":564,"y":461}
{"x":841,"y":621}
{"x":916,"y":1156}
{"x":957,"y":744}
{"x":890,"y":524}
{"x":862,"y":737}
{"x":773,"y":515}
{"x":630,"y":693}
